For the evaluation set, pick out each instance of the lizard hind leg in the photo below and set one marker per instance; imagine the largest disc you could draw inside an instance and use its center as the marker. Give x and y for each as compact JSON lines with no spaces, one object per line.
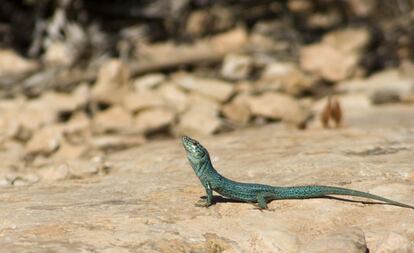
{"x":263,"y":197}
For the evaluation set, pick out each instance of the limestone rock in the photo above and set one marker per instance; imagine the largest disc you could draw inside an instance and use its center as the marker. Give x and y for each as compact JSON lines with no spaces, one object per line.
{"x":148,"y":82}
{"x":45,"y":141}
{"x":54,"y":173}
{"x":384,"y":87}
{"x":277,"y":106}
{"x":201,"y":118}
{"x":13,"y":64}
{"x":112,"y":119}
{"x":117,"y":142}
{"x":135,"y":102}
{"x":112,"y":82}
{"x":212,"y":88}
{"x":336,"y":57}
{"x":395,"y":243}
{"x":62,"y":102}
{"x":153,"y":119}
{"x":174,"y":97}
{"x":238,"y":110}
{"x":287,"y":77}
{"x":58,"y":53}
{"x":236,"y":67}
{"x":328,"y":62}
{"x":347,"y":241}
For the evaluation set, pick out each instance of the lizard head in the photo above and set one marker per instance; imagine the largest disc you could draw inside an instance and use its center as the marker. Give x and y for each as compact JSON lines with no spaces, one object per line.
{"x":196,"y":153}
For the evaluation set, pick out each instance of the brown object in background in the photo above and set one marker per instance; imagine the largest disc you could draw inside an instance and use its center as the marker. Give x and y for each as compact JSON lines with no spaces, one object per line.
{"x":332,"y":111}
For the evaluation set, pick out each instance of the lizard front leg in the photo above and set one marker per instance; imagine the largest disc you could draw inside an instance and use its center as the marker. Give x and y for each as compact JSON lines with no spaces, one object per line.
{"x":209,"y":192}
{"x":263,"y":197}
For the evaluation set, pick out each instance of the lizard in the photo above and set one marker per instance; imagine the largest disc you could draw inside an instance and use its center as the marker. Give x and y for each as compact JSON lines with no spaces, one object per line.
{"x":261,"y":194}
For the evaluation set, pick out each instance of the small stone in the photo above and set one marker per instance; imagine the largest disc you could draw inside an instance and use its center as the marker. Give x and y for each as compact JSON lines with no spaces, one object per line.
{"x":212,"y":88}
{"x":68,"y":151}
{"x":238,"y":110}
{"x":153,"y":119}
{"x":78,"y":128}
{"x":135,"y":102}
{"x":343,"y":48}
{"x":319,"y":59}
{"x":410,"y":176}
{"x":45,"y":141}
{"x":13,"y":64}
{"x":82,"y":168}
{"x":395,"y":243}
{"x":58,"y":53}
{"x":35,"y":114}
{"x":61,"y":102}
{"x":4,"y":182}
{"x":384,"y":87}
{"x":113,"y":119}
{"x":201,"y":118}
{"x":236,"y":67}
{"x":174,"y":97}
{"x":117,"y":142}
{"x":350,"y":40}
{"x":112,"y":82}
{"x":277,"y":106}
{"x":54,"y":172}
{"x":288,"y":78}
{"x":346,"y":241}
{"x":148,"y":82}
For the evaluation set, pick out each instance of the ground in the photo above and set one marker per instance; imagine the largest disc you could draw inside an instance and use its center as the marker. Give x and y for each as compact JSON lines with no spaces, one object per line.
{"x":147,"y":203}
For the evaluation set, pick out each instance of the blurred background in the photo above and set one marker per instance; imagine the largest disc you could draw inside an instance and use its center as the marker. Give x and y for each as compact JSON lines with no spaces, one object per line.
{"x":81,"y":78}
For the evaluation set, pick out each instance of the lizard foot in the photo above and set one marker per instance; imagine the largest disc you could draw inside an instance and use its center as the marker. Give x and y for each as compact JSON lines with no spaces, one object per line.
{"x":202,"y":203}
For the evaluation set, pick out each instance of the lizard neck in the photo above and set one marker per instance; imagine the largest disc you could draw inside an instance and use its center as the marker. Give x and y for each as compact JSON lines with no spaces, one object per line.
{"x":204,"y":168}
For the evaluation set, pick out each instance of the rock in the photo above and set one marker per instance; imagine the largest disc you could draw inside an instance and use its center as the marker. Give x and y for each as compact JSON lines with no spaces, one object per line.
{"x":21,"y":179}
{"x":350,"y":40}
{"x":237,"y":110}
{"x":347,"y":241}
{"x":113,"y":119}
{"x":277,"y":106}
{"x":174,"y":97}
{"x":148,"y":82}
{"x":58,"y":53}
{"x":319,"y":59}
{"x":35,"y":114}
{"x":336,"y":57}
{"x":300,"y":6}
{"x":112,"y":82}
{"x":69,"y":151}
{"x":236,"y":67}
{"x":362,"y":8}
{"x":384,"y":87}
{"x":61,"y":102}
{"x":9,"y":110}
{"x":212,"y":88}
{"x":410,"y":176}
{"x":13,"y":64}
{"x":83,"y":168}
{"x":153,"y":119}
{"x":348,"y":102}
{"x":54,"y":172}
{"x":276,"y":241}
{"x":78,"y":128}
{"x":117,"y":142}
{"x":45,"y":141}
{"x":135,"y":102}
{"x":395,"y":243}
{"x":286,"y":77}
{"x":201,"y":118}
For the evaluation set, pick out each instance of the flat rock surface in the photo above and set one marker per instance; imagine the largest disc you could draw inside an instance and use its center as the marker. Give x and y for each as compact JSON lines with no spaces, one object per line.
{"x":146,"y":204}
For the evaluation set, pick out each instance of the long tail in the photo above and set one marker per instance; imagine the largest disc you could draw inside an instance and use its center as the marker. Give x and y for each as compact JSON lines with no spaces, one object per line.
{"x":321,"y":191}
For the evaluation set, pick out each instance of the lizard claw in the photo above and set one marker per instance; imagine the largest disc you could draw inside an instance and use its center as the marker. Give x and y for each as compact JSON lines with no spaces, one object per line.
{"x":202,"y":203}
